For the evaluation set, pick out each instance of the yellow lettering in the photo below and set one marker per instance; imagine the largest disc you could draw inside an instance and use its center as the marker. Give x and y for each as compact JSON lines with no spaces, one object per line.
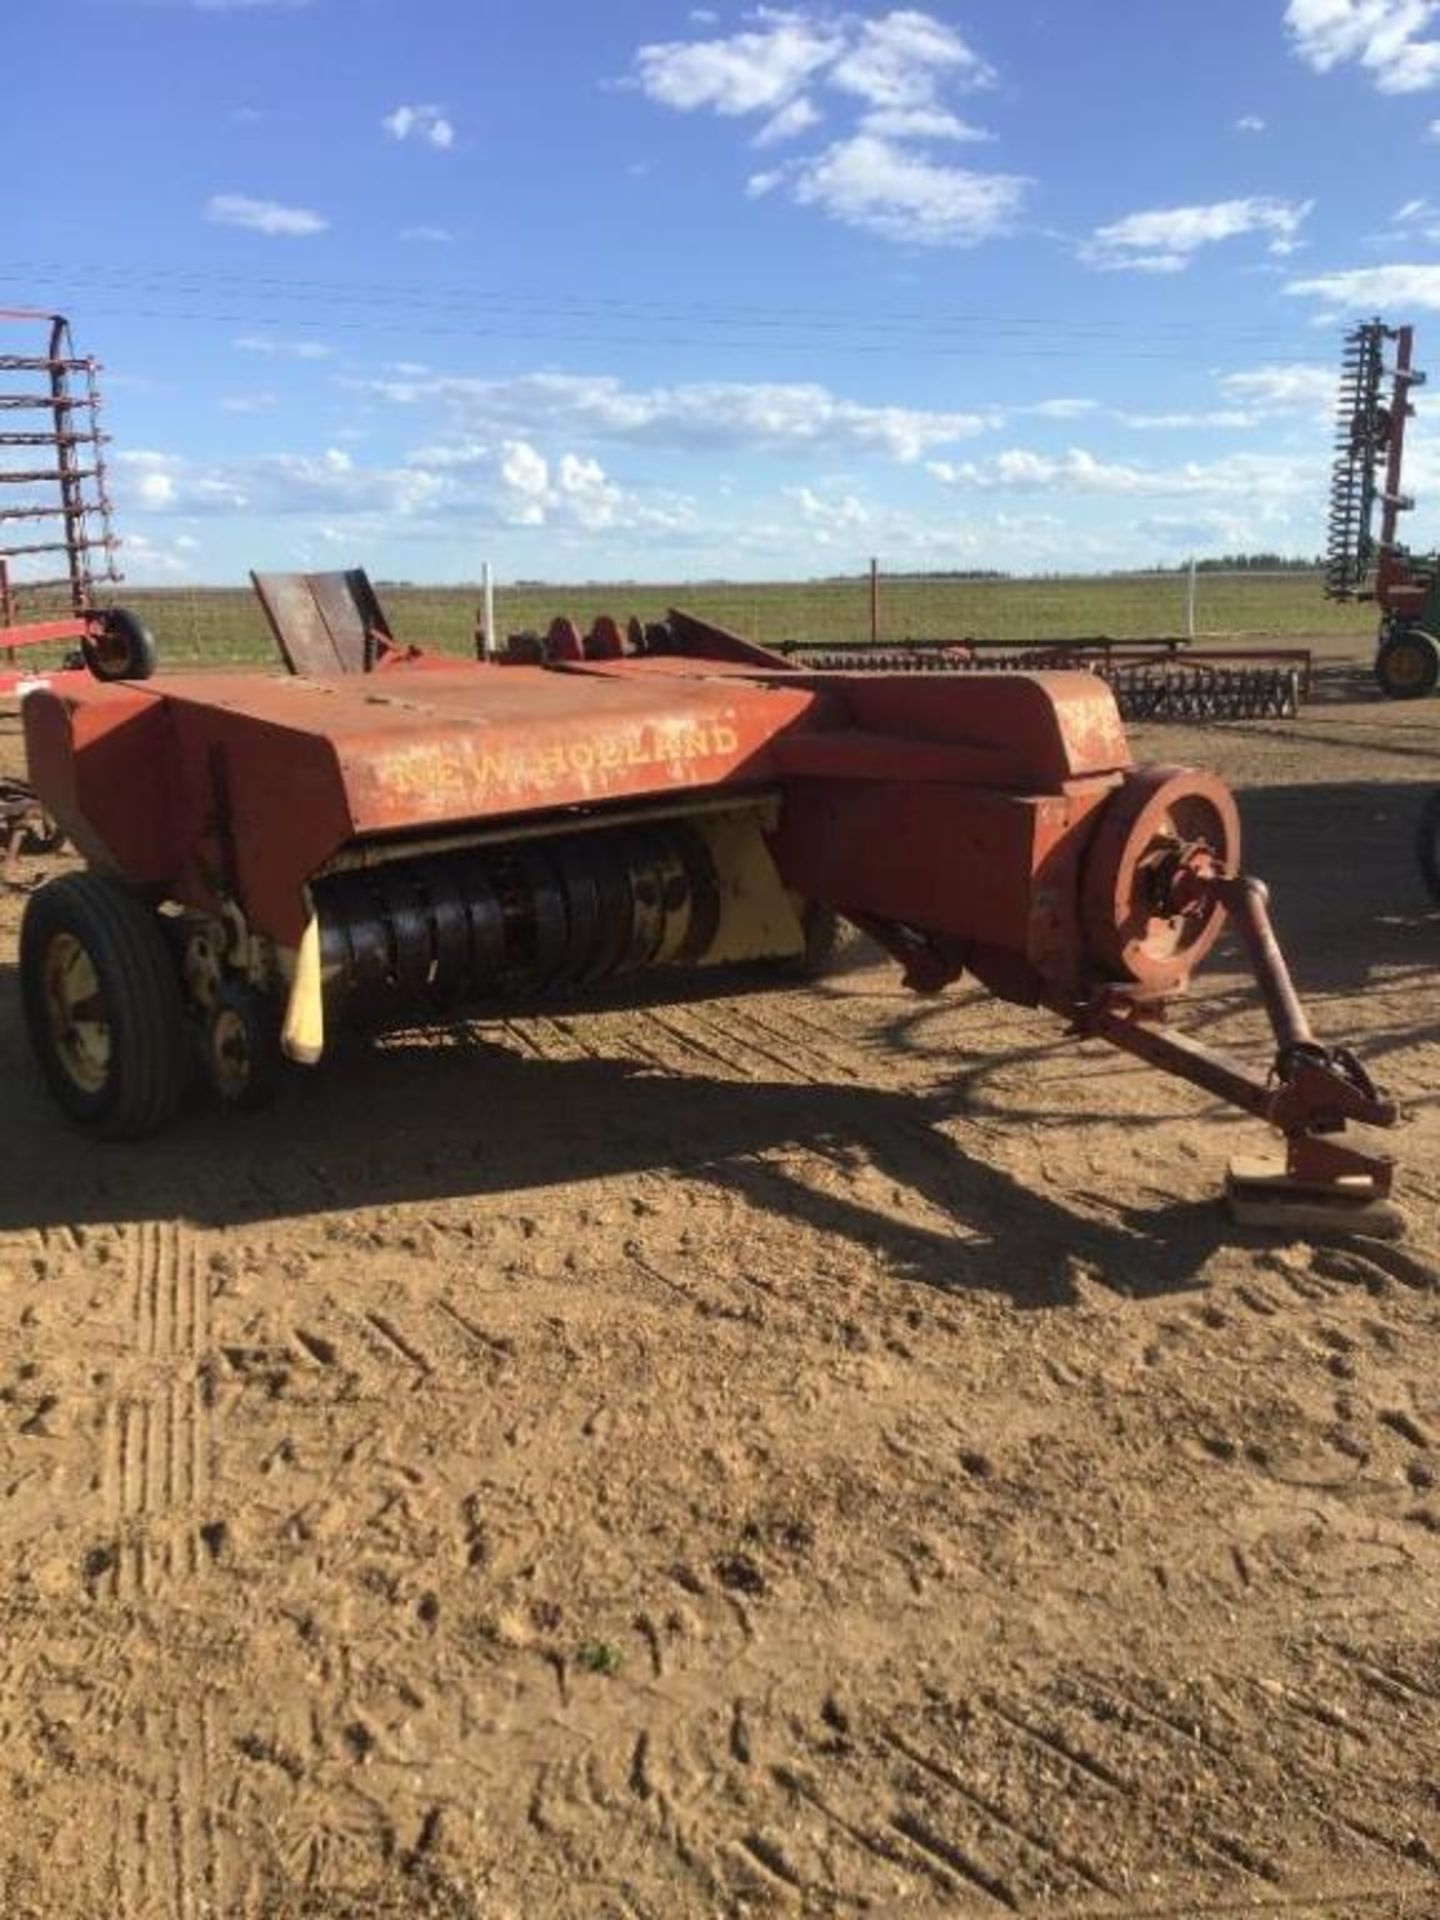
{"x":548,"y":767}
{"x":494,"y":768}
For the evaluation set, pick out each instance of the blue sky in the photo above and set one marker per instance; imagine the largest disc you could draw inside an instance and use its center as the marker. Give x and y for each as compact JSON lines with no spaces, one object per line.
{"x":665,"y":291}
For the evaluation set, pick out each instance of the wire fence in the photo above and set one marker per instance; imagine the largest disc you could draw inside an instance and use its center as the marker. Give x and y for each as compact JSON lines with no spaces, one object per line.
{"x":219,"y":625}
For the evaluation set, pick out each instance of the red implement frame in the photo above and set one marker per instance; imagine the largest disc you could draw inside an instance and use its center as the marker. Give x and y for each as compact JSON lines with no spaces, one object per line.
{"x":984,"y":823}
{"x":56,"y":541}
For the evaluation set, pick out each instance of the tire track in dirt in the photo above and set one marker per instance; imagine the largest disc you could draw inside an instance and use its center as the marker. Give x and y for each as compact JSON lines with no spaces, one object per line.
{"x":155,"y":1484}
{"x":1103,"y":1795}
{"x":156,"y":1439}
{"x":164,"y":1858}
{"x":752,"y":1048}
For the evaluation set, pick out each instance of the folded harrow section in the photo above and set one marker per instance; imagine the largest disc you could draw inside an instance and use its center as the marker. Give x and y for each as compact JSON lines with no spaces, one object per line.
{"x":1162,"y":683}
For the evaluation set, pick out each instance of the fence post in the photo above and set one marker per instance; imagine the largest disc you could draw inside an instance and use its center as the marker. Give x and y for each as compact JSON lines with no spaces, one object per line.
{"x":1190,"y":602}
{"x":485,"y":647}
{"x":874,"y":603}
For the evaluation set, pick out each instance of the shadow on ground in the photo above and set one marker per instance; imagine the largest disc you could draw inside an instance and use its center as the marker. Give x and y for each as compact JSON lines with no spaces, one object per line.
{"x":415,"y":1120}
{"x":411,"y":1121}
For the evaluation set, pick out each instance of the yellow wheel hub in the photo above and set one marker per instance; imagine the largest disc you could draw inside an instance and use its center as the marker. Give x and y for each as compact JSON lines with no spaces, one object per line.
{"x":79,"y":1027}
{"x":1406,"y":667}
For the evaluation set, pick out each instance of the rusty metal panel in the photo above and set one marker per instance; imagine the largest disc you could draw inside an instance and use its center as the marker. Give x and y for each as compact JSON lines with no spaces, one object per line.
{"x":324,"y":623}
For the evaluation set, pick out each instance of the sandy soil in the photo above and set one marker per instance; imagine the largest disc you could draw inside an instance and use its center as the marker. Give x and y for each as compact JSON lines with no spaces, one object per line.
{"x":811,"y":1453}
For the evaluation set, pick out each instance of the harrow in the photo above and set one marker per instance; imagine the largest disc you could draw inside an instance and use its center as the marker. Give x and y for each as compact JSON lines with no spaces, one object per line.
{"x":1373,"y":409}
{"x":57,"y":544}
{"x":1149,"y":683}
{"x":390,"y":836}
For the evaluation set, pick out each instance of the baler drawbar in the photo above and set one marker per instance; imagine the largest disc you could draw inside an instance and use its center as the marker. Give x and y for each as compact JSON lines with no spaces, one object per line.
{"x":272,"y":858}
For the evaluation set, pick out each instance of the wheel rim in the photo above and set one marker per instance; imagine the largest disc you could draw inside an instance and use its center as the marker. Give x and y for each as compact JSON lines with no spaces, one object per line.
{"x":230,"y":1055}
{"x":1406,"y":666}
{"x":75,"y":1009}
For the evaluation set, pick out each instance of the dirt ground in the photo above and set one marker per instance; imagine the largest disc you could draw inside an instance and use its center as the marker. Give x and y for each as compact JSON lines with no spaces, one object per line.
{"x":808,"y":1453}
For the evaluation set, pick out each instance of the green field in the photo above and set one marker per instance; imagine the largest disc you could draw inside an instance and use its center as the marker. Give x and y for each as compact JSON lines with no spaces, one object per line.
{"x":224,"y":624}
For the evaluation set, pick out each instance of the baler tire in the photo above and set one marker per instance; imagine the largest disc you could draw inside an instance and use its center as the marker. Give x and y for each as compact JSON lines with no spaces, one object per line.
{"x":137,"y":1081}
{"x":242,"y":1032}
{"x":1407,"y":667}
{"x":1427,"y":845}
{"x":124,"y":648}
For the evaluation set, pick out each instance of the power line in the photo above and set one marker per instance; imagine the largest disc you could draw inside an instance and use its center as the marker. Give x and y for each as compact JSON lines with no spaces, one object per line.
{"x":357,"y":307}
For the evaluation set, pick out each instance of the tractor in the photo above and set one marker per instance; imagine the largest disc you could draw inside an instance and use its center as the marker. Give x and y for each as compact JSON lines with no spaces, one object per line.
{"x":1373,"y":408}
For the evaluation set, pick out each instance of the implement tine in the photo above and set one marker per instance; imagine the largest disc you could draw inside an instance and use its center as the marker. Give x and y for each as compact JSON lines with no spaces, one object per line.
{"x":1161,"y":689}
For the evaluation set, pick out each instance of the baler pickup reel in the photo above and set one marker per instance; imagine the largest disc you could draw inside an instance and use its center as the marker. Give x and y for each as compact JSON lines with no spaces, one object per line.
{"x":388,"y":836}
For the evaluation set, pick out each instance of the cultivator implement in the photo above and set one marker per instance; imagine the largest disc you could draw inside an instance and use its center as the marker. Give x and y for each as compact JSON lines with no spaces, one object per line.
{"x":57,"y":543}
{"x":1372,"y":411}
{"x":274,"y":859}
{"x":1149,"y":683}
{"x":1365,"y":426}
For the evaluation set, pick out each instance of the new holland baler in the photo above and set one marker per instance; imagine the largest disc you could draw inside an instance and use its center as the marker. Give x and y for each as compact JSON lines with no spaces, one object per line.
{"x":273,"y":858}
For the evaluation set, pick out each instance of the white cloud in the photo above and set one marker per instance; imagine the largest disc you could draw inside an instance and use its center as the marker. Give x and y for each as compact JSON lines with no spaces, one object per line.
{"x":431,"y":236}
{"x":1278,"y":389}
{"x":701,"y":415}
{"x":1382,"y":36}
{"x":155,"y":491}
{"x":283,"y":349}
{"x":528,"y":489}
{"x":887,"y":189}
{"x":1061,"y":408}
{"x":920,"y":123}
{"x":756,"y":71}
{"x":1421,"y":221}
{"x":525,"y":475}
{"x":1432,"y":132}
{"x":509,"y":482}
{"x":1166,"y":239}
{"x":1373,"y":289}
{"x":249,"y":402}
{"x":428,"y":125}
{"x":1266,"y":481}
{"x":1221,"y":418}
{"x":263,"y":216}
{"x":790,"y":121}
{"x":145,"y":559}
{"x":901,"y":60}
{"x":828,"y":515}
{"x":889,"y":74}
{"x":1250,"y":123}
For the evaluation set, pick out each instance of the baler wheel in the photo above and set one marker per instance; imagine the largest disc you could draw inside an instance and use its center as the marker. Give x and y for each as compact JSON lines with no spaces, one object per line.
{"x":103,"y":1005}
{"x":120,"y":647}
{"x":242,"y":1047}
{"x":1407,"y":666}
{"x":1427,"y":845}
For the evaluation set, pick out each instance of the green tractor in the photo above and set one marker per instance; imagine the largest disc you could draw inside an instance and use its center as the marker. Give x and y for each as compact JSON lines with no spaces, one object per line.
{"x":1374,"y":406}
